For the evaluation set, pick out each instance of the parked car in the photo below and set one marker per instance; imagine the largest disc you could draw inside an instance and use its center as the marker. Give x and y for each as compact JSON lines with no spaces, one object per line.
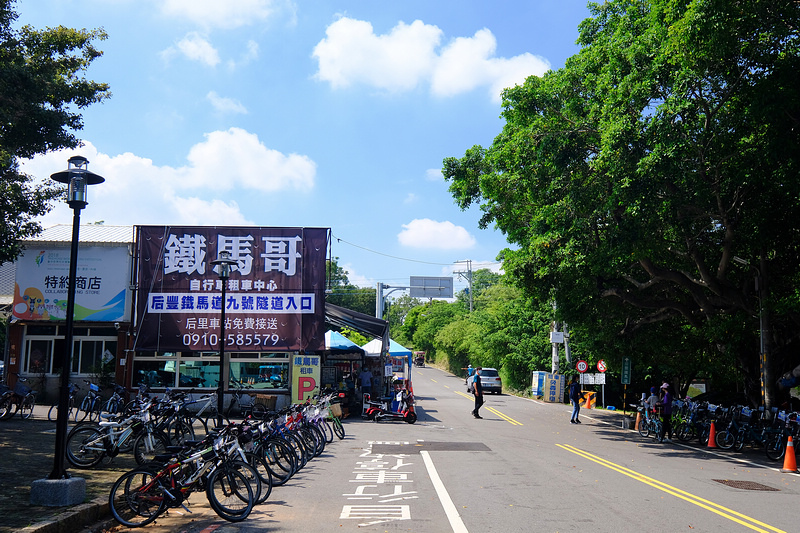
{"x":490,"y":381}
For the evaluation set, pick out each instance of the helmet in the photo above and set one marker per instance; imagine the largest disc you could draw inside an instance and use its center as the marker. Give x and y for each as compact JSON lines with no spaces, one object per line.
{"x":470,"y":366}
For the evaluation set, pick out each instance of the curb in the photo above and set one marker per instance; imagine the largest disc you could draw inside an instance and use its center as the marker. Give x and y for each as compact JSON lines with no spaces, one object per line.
{"x":76,"y":519}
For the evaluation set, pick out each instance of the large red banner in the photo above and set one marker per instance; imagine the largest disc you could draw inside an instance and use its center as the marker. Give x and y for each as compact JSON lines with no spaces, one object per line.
{"x":275,"y":296}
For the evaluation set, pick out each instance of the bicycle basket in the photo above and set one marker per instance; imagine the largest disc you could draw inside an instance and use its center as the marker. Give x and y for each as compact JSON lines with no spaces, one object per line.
{"x":94,"y":387}
{"x":336,"y":410}
{"x":21,"y":389}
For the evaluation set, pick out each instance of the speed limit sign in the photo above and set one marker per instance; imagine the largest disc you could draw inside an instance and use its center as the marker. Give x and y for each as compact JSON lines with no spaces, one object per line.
{"x":582,"y":366}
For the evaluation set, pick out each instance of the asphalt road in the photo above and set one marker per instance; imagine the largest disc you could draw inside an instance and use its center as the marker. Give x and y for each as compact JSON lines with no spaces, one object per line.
{"x":523,"y":468}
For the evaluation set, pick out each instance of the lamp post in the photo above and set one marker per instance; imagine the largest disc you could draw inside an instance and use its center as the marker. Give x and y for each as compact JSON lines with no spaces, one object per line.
{"x":78,"y":178}
{"x":223,"y":263}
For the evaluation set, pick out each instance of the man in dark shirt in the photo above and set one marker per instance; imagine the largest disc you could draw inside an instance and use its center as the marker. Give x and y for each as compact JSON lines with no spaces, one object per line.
{"x":477,"y":390}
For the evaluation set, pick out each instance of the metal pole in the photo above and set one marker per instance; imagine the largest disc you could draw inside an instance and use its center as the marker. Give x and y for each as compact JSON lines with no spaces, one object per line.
{"x":59,"y":470}
{"x":223,"y":367}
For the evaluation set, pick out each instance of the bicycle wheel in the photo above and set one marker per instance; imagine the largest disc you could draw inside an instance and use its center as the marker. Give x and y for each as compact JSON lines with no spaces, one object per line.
{"x":136,"y":499}
{"x":26,"y":406}
{"x":326,"y":429}
{"x":229,"y":494}
{"x":259,"y":411}
{"x":52,"y":414}
{"x":111,"y":407}
{"x":298,"y":448}
{"x":97,"y":408}
{"x":85,"y":446}
{"x":252,"y":475}
{"x":179,"y":431}
{"x":338,"y":428}
{"x":84,"y":409}
{"x":148,"y":445}
{"x":7,"y":408}
{"x":280,"y":460}
{"x":644,"y":427}
{"x":260,"y":465}
{"x":775,"y":447}
{"x":725,"y":439}
{"x":684,"y":432}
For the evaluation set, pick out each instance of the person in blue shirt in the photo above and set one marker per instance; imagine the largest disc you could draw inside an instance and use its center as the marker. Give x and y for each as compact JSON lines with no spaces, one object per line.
{"x":477,"y":391}
{"x":575,"y":397}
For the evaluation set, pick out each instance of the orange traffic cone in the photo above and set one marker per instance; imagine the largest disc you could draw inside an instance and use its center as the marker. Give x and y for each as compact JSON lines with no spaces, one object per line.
{"x":589,"y":400}
{"x":789,"y":460}
{"x":638,"y":420}
{"x":712,"y":436}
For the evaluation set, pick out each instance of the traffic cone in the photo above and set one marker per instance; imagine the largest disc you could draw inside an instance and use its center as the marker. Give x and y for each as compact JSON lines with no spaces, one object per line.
{"x":789,"y":460}
{"x":712,"y":436}
{"x":638,"y":420}
{"x":588,"y":400}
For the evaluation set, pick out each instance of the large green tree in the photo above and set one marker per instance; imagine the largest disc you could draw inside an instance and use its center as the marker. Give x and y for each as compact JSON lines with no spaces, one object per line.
{"x":649,"y":180}
{"x":345,"y":294}
{"x":42,"y":90}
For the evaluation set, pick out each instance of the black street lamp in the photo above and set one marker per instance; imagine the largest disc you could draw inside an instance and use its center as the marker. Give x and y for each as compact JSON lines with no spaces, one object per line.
{"x":78,"y":178}
{"x":223,"y":264}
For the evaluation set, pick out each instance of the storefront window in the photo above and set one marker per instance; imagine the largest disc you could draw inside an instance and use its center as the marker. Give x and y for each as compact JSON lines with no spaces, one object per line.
{"x":197,"y":373}
{"x":155,"y":374}
{"x":274,"y":375}
{"x":39,"y":356}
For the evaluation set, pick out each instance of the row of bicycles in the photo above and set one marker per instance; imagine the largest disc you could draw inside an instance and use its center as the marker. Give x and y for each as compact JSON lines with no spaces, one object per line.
{"x":735,"y":427}
{"x":179,"y":451}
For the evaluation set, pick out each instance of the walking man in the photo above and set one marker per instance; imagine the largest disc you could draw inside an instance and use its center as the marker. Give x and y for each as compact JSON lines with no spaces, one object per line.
{"x":477,"y":390}
{"x":575,"y":397}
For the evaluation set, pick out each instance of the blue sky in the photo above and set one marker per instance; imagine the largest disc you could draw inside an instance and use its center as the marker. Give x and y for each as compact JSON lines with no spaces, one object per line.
{"x":316,"y":114}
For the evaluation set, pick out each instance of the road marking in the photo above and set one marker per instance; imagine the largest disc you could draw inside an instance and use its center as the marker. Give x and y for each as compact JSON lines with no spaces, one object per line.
{"x":504,"y":417}
{"x":492,"y":409}
{"x":434,"y":380}
{"x":447,"y":504}
{"x":724,"y":512}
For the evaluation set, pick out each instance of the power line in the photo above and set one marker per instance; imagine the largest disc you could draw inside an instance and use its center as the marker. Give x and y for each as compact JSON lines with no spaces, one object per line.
{"x":387,"y":255}
{"x":402,"y":258}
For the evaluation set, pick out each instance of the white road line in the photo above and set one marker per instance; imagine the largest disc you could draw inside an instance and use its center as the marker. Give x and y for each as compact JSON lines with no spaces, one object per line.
{"x":449,"y":508}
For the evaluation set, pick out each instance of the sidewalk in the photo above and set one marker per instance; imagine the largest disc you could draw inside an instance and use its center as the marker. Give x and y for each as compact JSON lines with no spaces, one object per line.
{"x":27,"y":449}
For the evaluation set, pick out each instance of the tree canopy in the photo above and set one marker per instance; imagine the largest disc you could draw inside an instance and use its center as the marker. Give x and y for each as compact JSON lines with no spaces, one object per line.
{"x":42,"y":90}
{"x":651,"y":178}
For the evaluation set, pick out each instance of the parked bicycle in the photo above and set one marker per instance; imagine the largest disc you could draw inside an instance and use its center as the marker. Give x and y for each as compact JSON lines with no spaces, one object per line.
{"x":72,"y":411}
{"x":21,"y":399}
{"x":92,"y":403}
{"x":89,"y":443}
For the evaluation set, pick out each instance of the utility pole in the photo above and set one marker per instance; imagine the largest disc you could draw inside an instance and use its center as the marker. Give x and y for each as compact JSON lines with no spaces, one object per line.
{"x":468,"y":277}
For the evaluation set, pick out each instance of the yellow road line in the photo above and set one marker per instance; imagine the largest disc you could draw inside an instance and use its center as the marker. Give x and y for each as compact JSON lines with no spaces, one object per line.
{"x":495,"y":411}
{"x":730,"y":514}
{"x":504,"y":417}
{"x":434,"y":380}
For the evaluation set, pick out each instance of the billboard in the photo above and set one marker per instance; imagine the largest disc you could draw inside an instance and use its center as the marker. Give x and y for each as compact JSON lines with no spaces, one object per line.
{"x":428,"y":287}
{"x":101,"y":283}
{"x":275,"y":296}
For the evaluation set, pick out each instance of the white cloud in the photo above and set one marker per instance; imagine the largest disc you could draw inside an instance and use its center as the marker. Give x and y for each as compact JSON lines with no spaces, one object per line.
{"x":467,"y":63}
{"x":357,"y":279}
{"x":407,"y":56}
{"x":194,"y":47}
{"x":237,"y":158}
{"x":410,"y":198}
{"x":434,"y":174}
{"x":220,"y":14}
{"x":250,"y":54}
{"x":137,"y":191}
{"x":427,"y":233}
{"x":225,"y":105}
{"x":351,"y":53}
